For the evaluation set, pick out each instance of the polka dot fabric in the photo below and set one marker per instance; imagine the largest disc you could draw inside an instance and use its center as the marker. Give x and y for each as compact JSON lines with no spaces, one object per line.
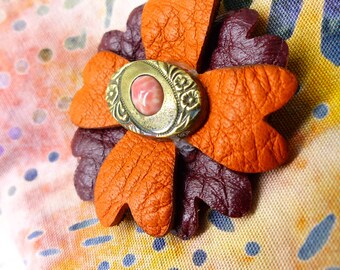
{"x":294,"y":222}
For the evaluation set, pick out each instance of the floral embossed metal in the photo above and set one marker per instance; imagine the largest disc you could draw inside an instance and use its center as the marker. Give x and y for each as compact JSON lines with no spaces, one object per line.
{"x":156,"y":99}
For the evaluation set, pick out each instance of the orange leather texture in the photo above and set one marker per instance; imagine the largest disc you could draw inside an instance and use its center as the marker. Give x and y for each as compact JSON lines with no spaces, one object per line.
{"x":138,"y":173}
{"x":89,"y":108}
{"x":175,"y":31}
{"x":235,"y":133}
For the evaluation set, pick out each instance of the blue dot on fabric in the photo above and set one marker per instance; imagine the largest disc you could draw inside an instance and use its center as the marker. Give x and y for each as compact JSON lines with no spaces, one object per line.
{"x":109,"y":7}
{"x":199,"y":257}
{"x":173,"y":268}
{"x":19,"y":25}
{"x":320,"y":111}
{"x":11,"y":190}
{"x":330,"y":31}
{"x":53,"y":156}
{"x":97,"y":240}
{"x":129,"y":260}
{"x":283,"y":17}
{"x":34,"y":234}
{"x":75,"y":42}
{"x":252,"y":248}
{"x":15,"y":133}
{"x":21,"y":66}
{"x":104,"y":266}
{"x":158,"y":244}
{"x":139,"y":229}
{"x":43,"y":10}
{"x":317,"y":238}
{"x":2,"y":150}
{"x":5,"y":80}
{"x":69,"y":4}
{"x":220,"y":221}
{"x":31,"y":174}
{"x":83,"y":224}
{"x":49,"y":252}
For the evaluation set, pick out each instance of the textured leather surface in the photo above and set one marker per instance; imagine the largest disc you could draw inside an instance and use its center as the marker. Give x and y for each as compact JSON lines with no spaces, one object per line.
{"x":127,"y":44}
{"x":92,"y":146}
{"x":89,"y":108}
{"x":202,"y":179}
{"x":237,"y":45}
{"x":176,"y":31}
{"x":138,"y":173}
{"x":235,"y":134}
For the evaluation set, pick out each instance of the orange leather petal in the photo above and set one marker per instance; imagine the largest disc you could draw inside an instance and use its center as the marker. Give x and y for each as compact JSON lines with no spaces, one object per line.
{"x":235,"y":133}
{"x":89,"y":108}
{"x":137,"y":173}
{"x":175,"y":31}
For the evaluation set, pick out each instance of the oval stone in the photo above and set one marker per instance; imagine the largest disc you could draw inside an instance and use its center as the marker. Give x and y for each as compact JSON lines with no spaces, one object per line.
{"x":147,"y":95}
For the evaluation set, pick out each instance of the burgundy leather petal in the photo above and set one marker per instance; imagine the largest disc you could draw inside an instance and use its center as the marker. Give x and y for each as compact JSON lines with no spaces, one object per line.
{"x":92,"y":146}
{"x":199,"y":178}
{"x":236,"y":45}
{"x":129,"y":43}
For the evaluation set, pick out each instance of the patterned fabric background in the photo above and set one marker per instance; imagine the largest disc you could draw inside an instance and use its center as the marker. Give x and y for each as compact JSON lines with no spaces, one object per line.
{"x":294,"y":223}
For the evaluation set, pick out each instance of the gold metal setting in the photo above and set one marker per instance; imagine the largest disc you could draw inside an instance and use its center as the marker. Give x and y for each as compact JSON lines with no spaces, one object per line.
{"x":184,"y":105}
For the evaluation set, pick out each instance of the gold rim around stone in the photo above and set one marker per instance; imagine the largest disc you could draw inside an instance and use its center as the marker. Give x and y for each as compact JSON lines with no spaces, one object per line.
{"x":184,"y":104}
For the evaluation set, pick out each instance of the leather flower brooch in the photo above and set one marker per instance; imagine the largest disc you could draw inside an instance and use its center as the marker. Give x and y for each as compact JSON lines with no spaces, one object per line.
{"x":209,"y":115}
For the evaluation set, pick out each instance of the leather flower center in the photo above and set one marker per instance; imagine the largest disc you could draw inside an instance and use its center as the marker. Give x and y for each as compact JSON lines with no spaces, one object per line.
{"x":156,"y":99}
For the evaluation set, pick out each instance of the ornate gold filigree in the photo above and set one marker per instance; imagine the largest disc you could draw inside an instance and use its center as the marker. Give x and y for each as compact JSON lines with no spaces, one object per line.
{"x":182,"y":110}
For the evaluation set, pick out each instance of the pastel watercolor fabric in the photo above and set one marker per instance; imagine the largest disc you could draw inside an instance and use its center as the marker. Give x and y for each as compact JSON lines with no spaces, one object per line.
{"x":294,"y":223}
